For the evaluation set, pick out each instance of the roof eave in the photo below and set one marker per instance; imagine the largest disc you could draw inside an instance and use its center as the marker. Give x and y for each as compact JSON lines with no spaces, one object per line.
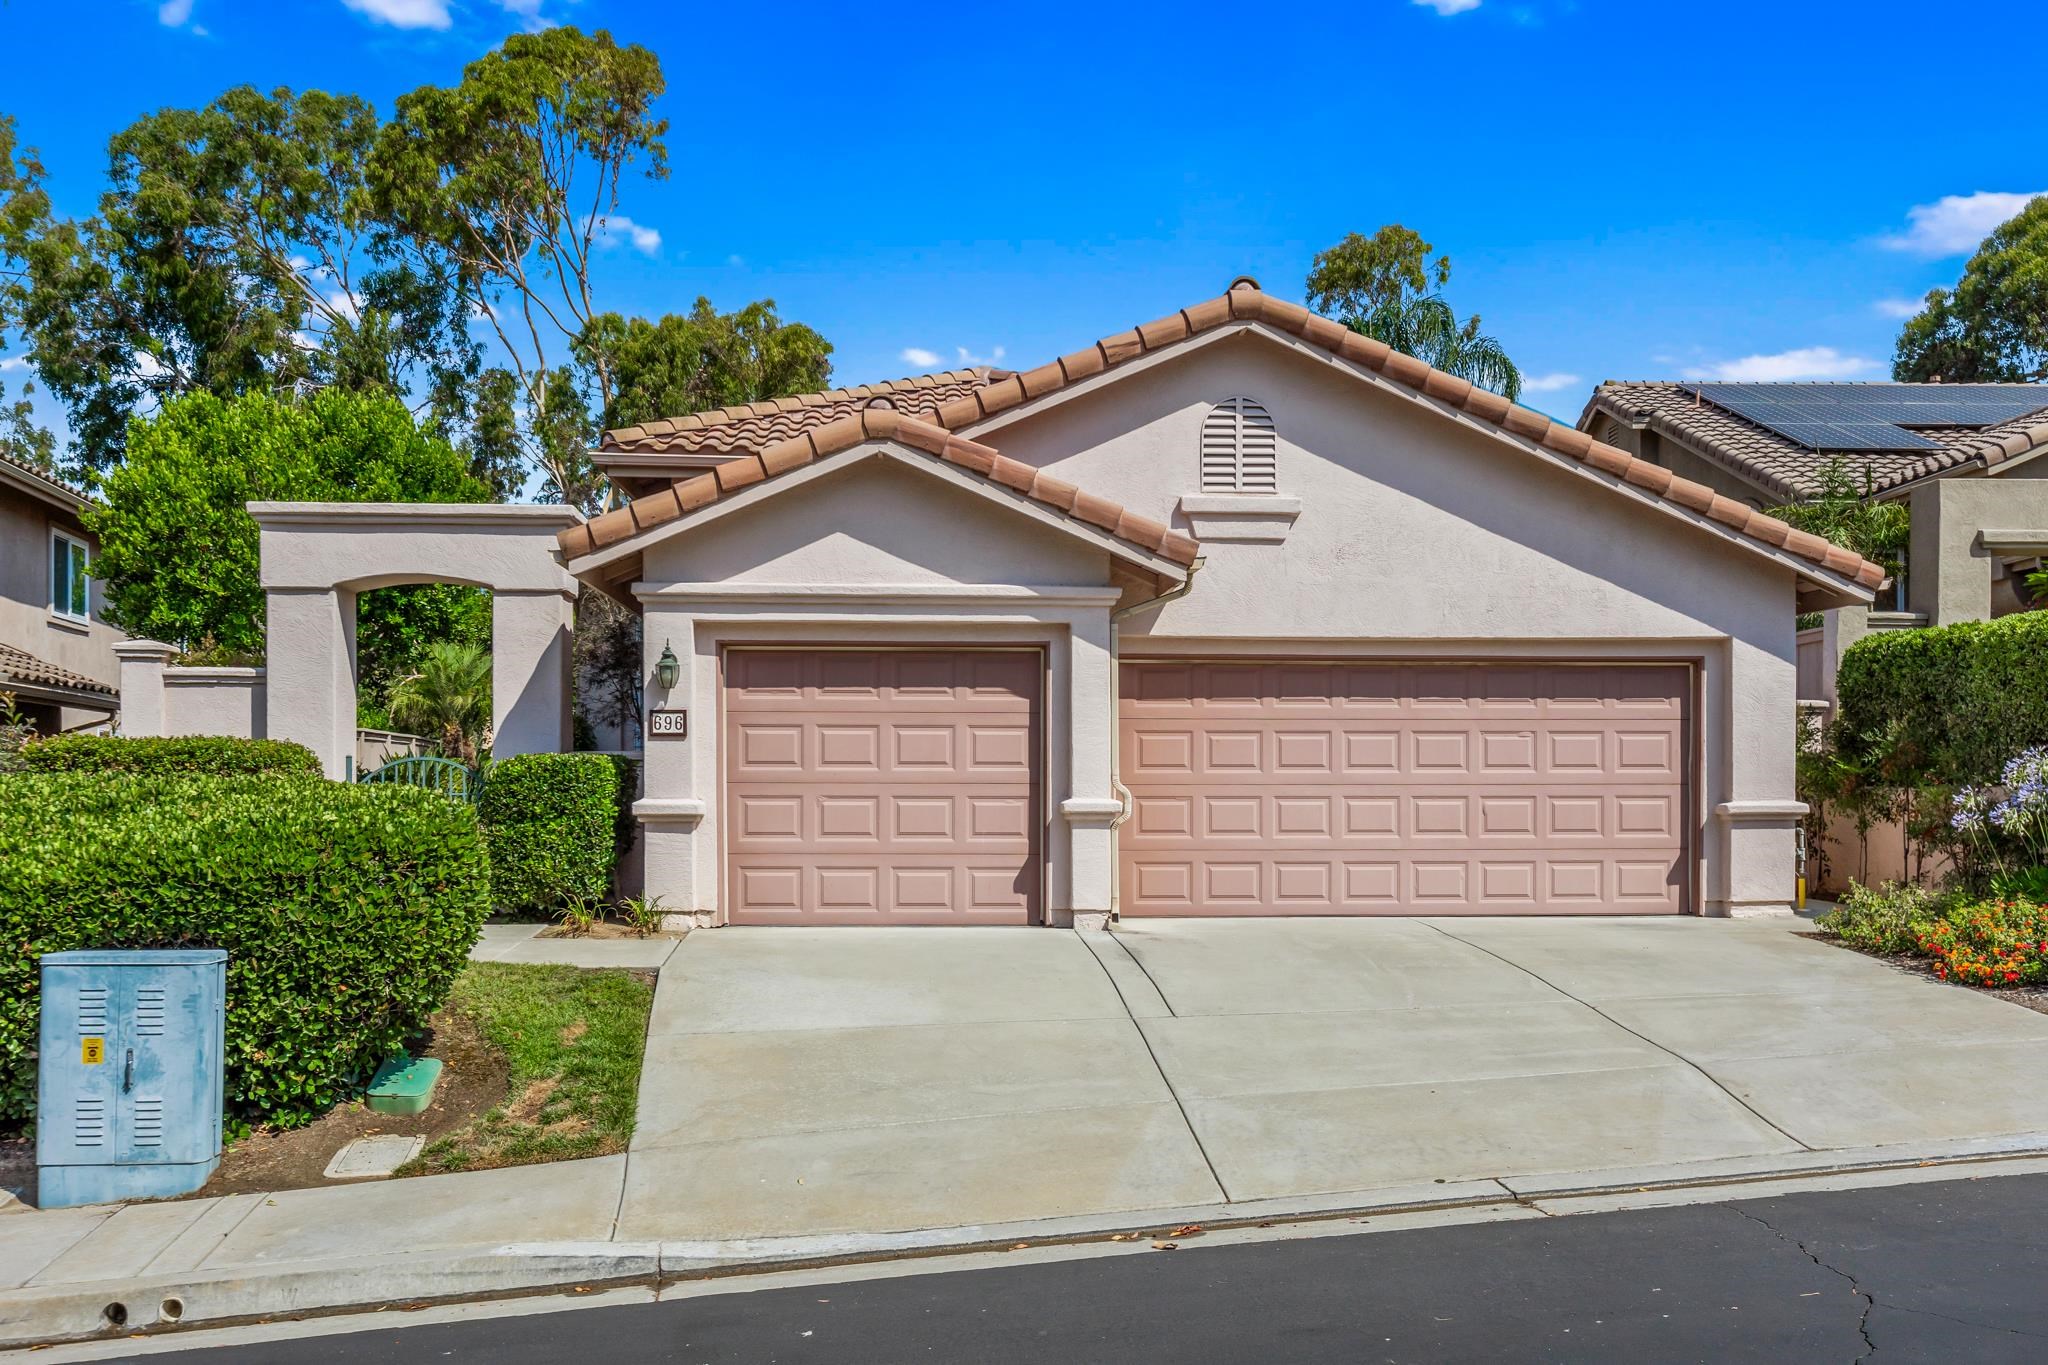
{"x":1818,"y":574}
{"x":589,"y":567}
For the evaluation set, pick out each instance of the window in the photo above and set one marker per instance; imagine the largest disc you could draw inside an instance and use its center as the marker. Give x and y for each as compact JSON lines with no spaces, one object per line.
{"x":1240,"y":451}
{"x":70,"y":578}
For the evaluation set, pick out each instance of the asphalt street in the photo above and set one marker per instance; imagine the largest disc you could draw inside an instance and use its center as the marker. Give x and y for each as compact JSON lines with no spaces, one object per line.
{"x":1949,"y":1271}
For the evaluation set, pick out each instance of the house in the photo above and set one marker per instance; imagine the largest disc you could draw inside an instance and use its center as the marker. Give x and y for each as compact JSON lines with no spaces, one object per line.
{"x":1934,"y":446}
{"x":1236,"y":613}
{"x":56,"y":651}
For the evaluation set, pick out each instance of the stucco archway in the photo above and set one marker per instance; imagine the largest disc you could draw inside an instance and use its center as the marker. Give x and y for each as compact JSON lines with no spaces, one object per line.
{"x":317,"y":556}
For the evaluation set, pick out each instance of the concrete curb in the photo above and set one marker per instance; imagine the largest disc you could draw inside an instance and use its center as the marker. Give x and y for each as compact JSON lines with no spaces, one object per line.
{"x":158,"y":1303}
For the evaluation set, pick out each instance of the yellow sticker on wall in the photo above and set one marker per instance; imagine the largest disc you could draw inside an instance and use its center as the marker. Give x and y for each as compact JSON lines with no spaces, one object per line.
{"x":92,"y":1051}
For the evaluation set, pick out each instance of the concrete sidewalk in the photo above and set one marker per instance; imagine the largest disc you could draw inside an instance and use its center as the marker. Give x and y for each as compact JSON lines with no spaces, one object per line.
{"x":812,"y":1095}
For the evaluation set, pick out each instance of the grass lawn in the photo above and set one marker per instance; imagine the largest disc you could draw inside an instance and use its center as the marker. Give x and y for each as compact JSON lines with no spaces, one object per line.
{"x":573,"y":1040}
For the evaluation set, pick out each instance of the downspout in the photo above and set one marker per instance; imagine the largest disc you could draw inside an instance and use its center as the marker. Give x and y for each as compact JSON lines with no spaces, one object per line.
{"x":1116,"y":765}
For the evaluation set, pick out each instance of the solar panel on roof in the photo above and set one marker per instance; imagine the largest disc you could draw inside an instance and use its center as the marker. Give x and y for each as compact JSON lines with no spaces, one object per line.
{"x":1873,"y":416}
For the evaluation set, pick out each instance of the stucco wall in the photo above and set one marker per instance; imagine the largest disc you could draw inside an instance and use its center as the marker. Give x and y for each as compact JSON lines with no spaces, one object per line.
{"x":26,"y":620}
{"x":1951,"y":573}
{"x":1421,"y":535}
{"x":874,"y":522}
{"x":214,"y":701}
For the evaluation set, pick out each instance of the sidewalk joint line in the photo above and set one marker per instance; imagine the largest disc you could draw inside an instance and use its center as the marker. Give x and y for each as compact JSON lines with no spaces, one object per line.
{"x":1171,"y":1089}
{"x":1704,"y":1073}
{"x":256,"y":1202}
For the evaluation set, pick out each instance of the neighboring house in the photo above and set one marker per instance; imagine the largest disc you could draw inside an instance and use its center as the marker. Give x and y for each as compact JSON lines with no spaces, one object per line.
{"x":56,"y":653}
{"x":1769,"y":444}
{"x":1237,"y":613}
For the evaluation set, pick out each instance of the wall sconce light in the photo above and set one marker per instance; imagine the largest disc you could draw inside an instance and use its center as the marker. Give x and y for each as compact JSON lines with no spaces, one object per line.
{"x":668,"y":669}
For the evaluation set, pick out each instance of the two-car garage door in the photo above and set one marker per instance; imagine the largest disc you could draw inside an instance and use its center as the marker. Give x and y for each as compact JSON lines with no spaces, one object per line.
{"x":1337,"y":788}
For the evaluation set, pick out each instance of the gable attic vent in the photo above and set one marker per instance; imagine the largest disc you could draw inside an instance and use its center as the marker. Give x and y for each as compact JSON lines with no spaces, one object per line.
{"x":1240,"y":450}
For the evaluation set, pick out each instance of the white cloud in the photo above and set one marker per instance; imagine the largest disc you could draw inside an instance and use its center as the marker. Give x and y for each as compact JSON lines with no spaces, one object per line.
{"x":146,"y":366}
{"x":20,"y":362}
{"x":1449,"y":7}
{"x":1548,"y":383}
{"x":346,"y":303}
{"x":1897,"y":308}
{"x":920,"y":357}
{"x":1805,"y":362}
{"x":1955,"y":223}
{"x":969,"y":360}
{"x":618,"y":230}
{"x":736,"y":260}
{"x":529,"y":12}
{"x":174,"y":13}
{"x":403,"y":13}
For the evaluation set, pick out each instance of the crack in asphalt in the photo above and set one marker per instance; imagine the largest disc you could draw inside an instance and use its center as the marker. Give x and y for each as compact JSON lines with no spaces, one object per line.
{"x":1855,"y":1286}
{"x":1870,"y":1303}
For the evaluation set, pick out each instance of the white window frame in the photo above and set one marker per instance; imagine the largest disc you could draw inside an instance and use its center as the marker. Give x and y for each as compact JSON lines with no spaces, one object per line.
{"x":1240,"y":448}
{"x":60,"y":593}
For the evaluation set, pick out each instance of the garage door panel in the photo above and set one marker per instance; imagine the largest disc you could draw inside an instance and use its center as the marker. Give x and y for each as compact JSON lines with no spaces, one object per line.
{"x":1461,"y":788}
{"x":879,"y":786}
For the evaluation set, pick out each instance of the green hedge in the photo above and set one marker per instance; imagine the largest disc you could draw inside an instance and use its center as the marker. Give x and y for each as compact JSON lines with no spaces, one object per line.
{"x":188,"y":754}
{"x":554,"y":825}
{"x":346,"y":912}
{"x":1947,"y":705}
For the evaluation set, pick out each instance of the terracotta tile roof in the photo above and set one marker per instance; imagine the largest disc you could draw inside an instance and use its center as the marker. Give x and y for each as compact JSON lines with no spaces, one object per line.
{"x":53,"y":487}
{"x":843,"y":433}
{"x":756,"y":426}
{"x":1247,"y":304}
{"x":1788,"y":469}
{"x":985,"y":394}
{"x":20,"y":666}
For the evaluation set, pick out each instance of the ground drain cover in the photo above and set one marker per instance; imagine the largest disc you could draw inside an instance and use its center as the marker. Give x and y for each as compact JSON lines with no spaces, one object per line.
{"x":371,"y":1156}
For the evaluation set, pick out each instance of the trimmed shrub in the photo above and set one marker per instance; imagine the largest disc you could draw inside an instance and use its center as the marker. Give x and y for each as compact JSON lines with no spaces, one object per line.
{"x":346,"y":912}
{"x":1889,"y":920}
{"x":1944,"y":706}
{"x":216,"y":754}
{"x":551,"y":822}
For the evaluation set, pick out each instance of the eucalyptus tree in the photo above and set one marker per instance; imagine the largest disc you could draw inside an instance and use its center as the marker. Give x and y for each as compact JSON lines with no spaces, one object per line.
{"x":233,"y":251}
{"x":513,"y":175}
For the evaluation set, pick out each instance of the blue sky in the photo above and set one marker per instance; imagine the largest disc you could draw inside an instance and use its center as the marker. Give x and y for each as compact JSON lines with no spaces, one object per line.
{"x":1627,"y":190}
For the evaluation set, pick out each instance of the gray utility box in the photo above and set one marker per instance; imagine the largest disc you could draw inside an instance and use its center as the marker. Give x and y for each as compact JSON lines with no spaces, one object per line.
{"x":129,"y":1080}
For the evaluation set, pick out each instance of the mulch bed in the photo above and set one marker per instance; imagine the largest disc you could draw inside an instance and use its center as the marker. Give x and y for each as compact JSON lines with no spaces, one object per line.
{"x":474,"y":1080}
{"x":2033,"y":998}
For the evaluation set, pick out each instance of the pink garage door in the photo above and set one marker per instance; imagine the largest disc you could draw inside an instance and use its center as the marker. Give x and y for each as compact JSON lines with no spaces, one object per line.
{"x":1363,"y":789}
{"x":881,"y":786}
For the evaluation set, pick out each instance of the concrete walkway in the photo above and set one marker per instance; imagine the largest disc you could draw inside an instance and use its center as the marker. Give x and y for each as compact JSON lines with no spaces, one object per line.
{"x":523,"y":943}
{"x":816,"y":1093}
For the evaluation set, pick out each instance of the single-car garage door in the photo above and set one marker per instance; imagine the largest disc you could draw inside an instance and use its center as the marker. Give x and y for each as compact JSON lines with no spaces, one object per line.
{"x":882,"y":786}
{"x":1320,"y":788}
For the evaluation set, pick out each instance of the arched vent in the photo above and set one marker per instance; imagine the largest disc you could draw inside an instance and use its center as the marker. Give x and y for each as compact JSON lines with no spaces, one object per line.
{"x":1240,"y":452}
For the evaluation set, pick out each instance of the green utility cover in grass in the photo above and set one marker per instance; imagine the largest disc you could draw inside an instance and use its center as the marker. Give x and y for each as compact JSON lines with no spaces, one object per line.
{"x":404,"y":1085}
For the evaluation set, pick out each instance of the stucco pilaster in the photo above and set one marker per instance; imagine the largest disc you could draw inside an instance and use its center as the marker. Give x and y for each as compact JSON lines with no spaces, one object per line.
{"x":142,"y":686}
{"x":673,"y":811}
{"x":1089,"y":809}
{"x":310,"y":697}
{"x":531,"y":637}
{"x":1752,"y":812}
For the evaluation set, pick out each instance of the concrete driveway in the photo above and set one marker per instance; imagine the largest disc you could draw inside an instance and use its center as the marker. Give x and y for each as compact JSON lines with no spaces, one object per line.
{"x":816,"y":1082}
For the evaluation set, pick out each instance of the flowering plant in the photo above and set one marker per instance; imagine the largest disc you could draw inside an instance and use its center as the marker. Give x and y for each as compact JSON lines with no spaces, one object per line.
{"x":1991,"y":943}
{"x":2013,"y":813}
